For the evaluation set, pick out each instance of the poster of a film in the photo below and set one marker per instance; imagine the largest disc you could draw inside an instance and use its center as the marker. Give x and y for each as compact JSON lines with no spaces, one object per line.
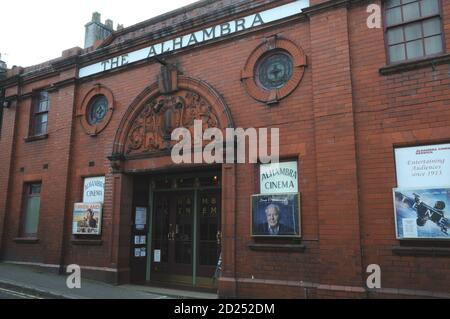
{"x":87,"y":219}
{"x":422,"y":213}
{"x":276,"y":215}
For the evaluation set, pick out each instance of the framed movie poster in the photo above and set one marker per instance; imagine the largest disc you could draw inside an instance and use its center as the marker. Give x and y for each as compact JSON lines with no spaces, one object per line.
{"x":275,"y":215}
{"x":87,"y":218}
{"x":422,"y":213}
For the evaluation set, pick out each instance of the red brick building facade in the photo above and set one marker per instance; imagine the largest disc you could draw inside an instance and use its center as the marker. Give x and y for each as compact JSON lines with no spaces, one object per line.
{"x":341,"y":115}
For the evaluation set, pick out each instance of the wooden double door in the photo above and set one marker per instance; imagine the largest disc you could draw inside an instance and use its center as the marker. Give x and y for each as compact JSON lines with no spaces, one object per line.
{"x":186,"y":237}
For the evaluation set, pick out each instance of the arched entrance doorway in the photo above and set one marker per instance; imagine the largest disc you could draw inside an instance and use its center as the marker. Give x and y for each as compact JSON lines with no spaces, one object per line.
{"x":176,"y":209}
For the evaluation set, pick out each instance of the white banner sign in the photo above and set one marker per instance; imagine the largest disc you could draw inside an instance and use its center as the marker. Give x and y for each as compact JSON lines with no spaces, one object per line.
{"x":208,"y":34}
{"x":94,"y":188}
{"x":423,"y":166}
{"x":279,"y":178}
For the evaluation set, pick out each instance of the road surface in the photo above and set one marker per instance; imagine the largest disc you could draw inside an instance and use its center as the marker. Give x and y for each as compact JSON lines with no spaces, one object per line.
{"x":14,"y":293}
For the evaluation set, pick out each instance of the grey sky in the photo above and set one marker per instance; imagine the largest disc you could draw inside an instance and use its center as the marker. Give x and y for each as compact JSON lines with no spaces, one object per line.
{"x":35,"y":31}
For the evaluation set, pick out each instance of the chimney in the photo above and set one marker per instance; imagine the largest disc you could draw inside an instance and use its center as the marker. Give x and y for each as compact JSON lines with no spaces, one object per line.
{"x":109,"y":24}
{"x":96,"y":30}
{"x":3,"y":69}
{"x":96,"y":17}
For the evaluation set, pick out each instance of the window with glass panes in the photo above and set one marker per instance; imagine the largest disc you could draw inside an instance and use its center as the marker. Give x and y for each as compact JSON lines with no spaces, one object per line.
{"x":40,"y":114}
{"x":413,"y":29}
{"x":32,"y":204}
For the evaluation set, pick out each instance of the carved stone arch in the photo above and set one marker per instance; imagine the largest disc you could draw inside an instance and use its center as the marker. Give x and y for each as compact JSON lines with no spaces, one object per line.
{"x":145,"y":129}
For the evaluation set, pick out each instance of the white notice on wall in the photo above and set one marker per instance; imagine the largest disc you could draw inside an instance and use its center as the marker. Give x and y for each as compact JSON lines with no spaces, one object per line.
{"x":409,"y":228}
{"x":141,"y":217}
{"x":423,"y":166}
{"x":279,"y":178}
{"x":157,"y":256}
{"x":137,"y":252}
{"x":93,"y":190}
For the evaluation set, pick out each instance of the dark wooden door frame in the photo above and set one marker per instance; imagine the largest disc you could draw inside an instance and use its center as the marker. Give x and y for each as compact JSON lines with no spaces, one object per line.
{"x":195,"y":221}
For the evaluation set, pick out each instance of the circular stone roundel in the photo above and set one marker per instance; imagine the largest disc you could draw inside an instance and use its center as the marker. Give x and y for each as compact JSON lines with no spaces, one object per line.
{"x":274,"y":70}
{"x":96,"y":110}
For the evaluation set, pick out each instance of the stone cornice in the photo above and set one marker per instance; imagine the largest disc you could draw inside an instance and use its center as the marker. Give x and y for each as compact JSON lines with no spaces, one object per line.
{"x":329,"y":5}
{"x":184,"y":50}
{"x":11,"y":81}
{"x":63,"y":83}
{"x":38,"y":75}
{"x":173,"y":30}
{"x":50,"y":88}
{"x":11,"y":98}
{"x":66,"y":63}
{"x":210,"y":17}
{"x":324,"y":6}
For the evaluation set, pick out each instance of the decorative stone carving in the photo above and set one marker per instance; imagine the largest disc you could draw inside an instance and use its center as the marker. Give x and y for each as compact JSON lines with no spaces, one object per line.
{"x":151,"y":130}
{"x":146,"y":127}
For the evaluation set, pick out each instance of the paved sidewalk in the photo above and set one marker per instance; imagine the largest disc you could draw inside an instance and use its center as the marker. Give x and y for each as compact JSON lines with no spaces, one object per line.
{"x":45,"y":283}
